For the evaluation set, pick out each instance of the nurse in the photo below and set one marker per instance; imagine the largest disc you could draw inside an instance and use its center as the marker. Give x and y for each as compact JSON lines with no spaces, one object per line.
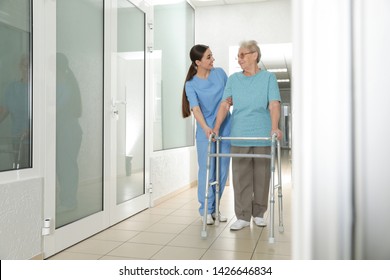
{"x":202,"y":94}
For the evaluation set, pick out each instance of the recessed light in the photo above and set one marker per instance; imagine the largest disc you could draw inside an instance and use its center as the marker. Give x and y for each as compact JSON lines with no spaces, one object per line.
{"x":283,"y":80}
{"x":277,"y":70}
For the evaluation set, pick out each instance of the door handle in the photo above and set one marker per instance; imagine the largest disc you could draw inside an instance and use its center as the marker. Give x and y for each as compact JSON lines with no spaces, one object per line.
{"x":114,"y":109}
{"x":115,"y":102}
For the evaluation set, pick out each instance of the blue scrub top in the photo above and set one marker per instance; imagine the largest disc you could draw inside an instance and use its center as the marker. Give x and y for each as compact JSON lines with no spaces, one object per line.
{"x":207,"y":94}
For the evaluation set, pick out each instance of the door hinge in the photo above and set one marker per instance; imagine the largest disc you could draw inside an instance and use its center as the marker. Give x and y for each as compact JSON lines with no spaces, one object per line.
{"x":46,"y":229}
{"x":150,"y":190}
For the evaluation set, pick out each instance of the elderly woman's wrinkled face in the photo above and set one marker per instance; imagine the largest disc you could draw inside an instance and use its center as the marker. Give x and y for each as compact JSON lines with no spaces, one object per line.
{"x":246,"y":57}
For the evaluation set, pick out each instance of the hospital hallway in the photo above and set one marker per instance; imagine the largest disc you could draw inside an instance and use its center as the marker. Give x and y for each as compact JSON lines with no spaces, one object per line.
{"x":171,"y":231}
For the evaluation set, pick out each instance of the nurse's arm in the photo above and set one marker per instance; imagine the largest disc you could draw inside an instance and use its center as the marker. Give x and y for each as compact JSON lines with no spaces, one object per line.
{"x":201,"y":121}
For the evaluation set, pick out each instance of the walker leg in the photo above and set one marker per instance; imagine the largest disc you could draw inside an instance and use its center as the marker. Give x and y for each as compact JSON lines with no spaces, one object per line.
{"x":204,"y":220}
{"x":203,"y":233}
{"x":281,"y":227}
{"x":217,"y":186}
{"x":271,"y":237}
{"x":280,"y":195}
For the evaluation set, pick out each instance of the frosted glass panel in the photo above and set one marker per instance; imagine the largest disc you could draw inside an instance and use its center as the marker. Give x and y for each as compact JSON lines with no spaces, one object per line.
{"x":79,"y":122}
{"x":173,"y":39}
{"x":129,"y":101}
{"x":15,"y":85}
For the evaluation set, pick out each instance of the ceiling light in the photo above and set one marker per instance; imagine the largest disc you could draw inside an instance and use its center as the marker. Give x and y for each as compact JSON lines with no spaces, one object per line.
{"x":283,"y":80}
{"x":164,"y":2}
{"x":277,"y":70}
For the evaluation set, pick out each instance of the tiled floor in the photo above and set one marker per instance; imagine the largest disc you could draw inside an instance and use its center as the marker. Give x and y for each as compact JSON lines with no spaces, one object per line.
{"x":171,"y":231}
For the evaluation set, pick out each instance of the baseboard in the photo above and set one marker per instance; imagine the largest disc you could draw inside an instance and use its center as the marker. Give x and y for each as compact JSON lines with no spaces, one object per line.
{"x":38,"y":257}
{"x":174,"y":193}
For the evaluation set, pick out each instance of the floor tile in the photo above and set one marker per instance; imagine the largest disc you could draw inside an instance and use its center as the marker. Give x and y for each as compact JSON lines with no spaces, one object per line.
{"x":166,"y":228}
{"x":212,"y":230}
{"x":153,"y":238}
{"x":179,"y":253}
{"x":257,"y":256}
{"x":178,"y":220}
{"x":277,"y":248}
{"x":146,"y":217}
{"x":185,"y":213}
{"x":133,"y":225}
{"x":160,"y":211}
{"x":66,"y":255}
{"x":93,"y":246}
{"x":234,"y":244}
{"x":226,"y":255}
{"x":115,"y":235}
{"x":189,"y":241}
{"x":134,"y":250}
{"x":113,"y":258}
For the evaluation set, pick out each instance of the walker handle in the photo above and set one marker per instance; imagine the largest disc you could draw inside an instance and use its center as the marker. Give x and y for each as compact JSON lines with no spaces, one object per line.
{"x":212,"y":136}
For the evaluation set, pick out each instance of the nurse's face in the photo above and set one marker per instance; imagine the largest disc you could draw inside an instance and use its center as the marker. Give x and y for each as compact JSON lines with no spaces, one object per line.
{"x":207,"y":61}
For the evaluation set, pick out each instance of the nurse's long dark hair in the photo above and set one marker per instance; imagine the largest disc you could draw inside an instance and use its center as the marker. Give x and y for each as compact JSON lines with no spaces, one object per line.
{"x":196,"y":53}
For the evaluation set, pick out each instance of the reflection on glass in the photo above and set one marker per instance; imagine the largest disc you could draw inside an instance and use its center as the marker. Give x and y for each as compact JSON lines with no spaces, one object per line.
{"x":15,"y":86}
{"x":129,"y":101}
{"x":79,"y":110}
{"x":69,"y":134}
{"x":173,"y":38}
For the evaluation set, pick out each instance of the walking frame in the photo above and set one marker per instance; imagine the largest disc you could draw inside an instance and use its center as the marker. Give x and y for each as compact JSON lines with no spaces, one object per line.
{"x":275,"y":144}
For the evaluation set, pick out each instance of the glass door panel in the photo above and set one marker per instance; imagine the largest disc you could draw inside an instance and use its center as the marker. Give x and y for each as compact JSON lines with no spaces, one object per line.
{"x":79,"y":110}
{"x":130,"y":130}
{"x":128,"y":110}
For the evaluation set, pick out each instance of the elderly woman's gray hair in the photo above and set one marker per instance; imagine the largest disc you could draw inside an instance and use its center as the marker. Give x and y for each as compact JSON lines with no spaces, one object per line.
{"x":251,"y":46}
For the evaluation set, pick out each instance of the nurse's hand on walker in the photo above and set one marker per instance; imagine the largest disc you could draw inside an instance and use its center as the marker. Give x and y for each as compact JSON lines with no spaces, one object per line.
{"x":208,"y":131}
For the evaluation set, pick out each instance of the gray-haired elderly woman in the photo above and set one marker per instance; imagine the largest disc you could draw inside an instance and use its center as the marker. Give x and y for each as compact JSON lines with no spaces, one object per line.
{"x":256,"y":112}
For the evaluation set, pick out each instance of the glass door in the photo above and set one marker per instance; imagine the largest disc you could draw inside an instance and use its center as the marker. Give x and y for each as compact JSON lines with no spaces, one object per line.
{"x":99,"y":166}
{"x":75,"y":210}
{"x":128,"y":110}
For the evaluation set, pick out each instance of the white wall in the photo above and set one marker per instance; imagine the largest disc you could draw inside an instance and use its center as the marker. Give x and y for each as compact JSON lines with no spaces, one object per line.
{"x":322,"y":127}
{"x":340,"y":152}
{"x":20,"y":219}
{"x":21,"y":191}
{"x":173,"y":170}
{"x":372,"y":99}
{"x":222,"y":26}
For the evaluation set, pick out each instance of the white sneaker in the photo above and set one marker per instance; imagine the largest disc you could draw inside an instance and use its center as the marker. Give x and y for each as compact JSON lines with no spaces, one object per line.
{"x":260,"y":221}
{"x":239,"y":224}
{"x":209,"y":219}
{"x":222,"y":219}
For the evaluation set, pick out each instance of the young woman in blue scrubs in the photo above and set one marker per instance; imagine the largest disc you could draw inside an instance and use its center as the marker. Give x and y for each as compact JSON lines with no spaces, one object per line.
{"x":202,"y":94}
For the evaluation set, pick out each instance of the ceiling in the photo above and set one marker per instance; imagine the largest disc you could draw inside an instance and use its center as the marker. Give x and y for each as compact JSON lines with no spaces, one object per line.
{"x":273,"y":56}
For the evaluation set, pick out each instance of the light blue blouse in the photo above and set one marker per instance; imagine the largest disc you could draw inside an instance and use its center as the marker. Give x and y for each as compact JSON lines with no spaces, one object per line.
{"x":251,"y":96}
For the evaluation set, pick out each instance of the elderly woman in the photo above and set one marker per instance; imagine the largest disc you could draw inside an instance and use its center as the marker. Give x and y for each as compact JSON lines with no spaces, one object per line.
{"x":256,"y":112}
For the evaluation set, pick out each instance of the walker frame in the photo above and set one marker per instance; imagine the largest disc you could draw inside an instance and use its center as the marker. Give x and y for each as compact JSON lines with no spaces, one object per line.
{"x":275,"y":145}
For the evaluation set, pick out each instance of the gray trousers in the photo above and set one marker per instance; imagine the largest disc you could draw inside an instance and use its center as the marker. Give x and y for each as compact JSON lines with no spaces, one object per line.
{"x":251,"y":181}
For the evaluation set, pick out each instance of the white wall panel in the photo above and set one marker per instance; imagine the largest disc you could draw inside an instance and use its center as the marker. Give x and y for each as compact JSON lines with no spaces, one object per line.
{"x":372,"y":101}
